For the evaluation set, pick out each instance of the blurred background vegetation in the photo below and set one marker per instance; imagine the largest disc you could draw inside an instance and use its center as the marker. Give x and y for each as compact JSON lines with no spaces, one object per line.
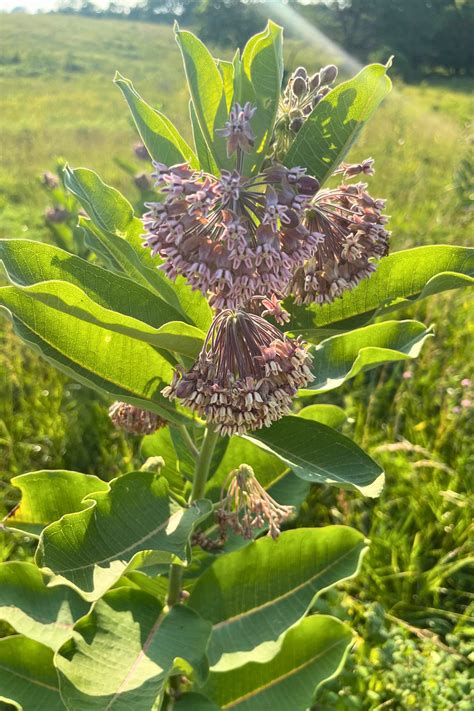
{"x":413,"y":601}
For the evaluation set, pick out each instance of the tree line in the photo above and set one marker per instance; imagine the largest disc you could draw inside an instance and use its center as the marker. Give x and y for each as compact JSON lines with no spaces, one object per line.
{"x":426,"y":36}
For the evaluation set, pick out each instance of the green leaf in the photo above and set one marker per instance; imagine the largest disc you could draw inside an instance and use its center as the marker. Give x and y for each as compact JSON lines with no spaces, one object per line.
{"x":47,"y":495}
{"x":206,"y":88}
{"x":226,"y":70}
{"x":119,"y":232}
{"x":162,"y":139}
{"x":400,"y":279}
{"x":254,"y":595}
{"x":116,"y":358}
{"x":27,"y":672}
{"x":321,"y":455}
{"x":70,"y":300}
{"x":28,"y":262}
{"x":91,"y":549}
{"x":261,"y":78}
{"x":312,"y":653}
{"x":206,"y":160}
{"x":124,"y":651}
{"x":335,"y":123}
{"x":342,"y":357}
{"x":44,"y":614}
{"x":330,"y":415}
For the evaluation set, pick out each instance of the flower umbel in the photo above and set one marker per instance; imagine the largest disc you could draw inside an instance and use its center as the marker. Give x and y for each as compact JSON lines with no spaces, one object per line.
{"x":245,"y":376}
{"x":133,"y":419}
{"x":353,"y":227}
{"x":232,"y":236}
{"x":246,"y":507}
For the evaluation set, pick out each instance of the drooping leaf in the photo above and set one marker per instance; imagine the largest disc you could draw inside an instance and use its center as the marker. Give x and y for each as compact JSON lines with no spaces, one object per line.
{"x":123,"y":652}
{"x":92,"y":548}
{"x":28,"y":262}
{"x":253,"y":596}
{"x":44,"y":614}
{"x":206,"y":88}
{"x":47,"y":495}
{"x":342,"y":357}
{"x":312,"y":653}
{"x":27,"y":672}
{"x":162,"y":139}
{"x":260,"y":81}
{"x":320,"y":454}
{"x":400,"y":279}
{"x":330,"y":415}
{"x":331,"y":129}
{"x":117,"y":359}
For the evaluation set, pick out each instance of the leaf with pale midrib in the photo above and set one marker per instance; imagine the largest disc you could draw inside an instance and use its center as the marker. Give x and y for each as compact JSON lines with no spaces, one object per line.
{"x":123,"y":652}
{"x":312,"y":652}
{"x":253,"y":596}
{"x":319,"y":454}
{"x":91,"y":549}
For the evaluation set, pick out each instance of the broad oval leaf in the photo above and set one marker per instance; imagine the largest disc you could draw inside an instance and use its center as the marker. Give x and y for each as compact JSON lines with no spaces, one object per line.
{"x":253,"y":596}
{"x":330,"y":130}
{"x":117,"y":359}
{"x":91,"y":549}
{"x":342,"y":357}
{"x":28,"y":262}
{"x":312,"y":652}
{"x":321,"y":455}
{"x":46,"y":495}
{"x":162,"y":139}
{"x":207,"y":91}
{"x":195,"y":702}
{"x":206,"y":159}
{"x":44,"y":614}
{"x":400,"y":279}
{"x":27,"y":672}
{"x":123,"y":652}
{"x":260,"y":81}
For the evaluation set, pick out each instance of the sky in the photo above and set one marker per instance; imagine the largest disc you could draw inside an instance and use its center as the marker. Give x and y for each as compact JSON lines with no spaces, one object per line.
{"x":35,"y":5}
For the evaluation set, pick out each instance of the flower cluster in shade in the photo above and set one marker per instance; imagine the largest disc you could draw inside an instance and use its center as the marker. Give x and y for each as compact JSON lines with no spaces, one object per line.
{"x":232,"y":236}
{"x":355,"y":237}
{"x":246,"y":507}
{"x":245,"y":376}
{"x":134,"y":420}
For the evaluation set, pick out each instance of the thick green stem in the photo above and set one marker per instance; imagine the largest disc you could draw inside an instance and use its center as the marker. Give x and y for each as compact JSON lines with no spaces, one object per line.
{"x":174,"y":584}
{"x":203,"y":463}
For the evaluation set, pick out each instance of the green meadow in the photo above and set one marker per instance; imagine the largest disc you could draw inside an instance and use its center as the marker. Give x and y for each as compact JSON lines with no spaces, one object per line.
{"x":412,"y":601}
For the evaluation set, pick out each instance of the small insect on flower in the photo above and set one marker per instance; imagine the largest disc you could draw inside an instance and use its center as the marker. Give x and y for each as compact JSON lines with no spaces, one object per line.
{"x":245,"y":376}
{"x":134,"y":420}
{"x":232,"y":236}
{"x":354,"y":234}
{"x":246,"y":507}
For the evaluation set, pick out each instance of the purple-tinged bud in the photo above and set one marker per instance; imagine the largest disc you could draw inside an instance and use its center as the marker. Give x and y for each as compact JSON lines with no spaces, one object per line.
{"x":308,"y":109}
{"x":142,"y":181}
{"x":296,"y":124}
{"x":315,"y":82}
{"x":299,"y":87}
{"x":328,"y":74}
{"x":300,"y":72}
{"x":133,"y":419}
{"x":307,"y":185}
{"x":50,"y":180}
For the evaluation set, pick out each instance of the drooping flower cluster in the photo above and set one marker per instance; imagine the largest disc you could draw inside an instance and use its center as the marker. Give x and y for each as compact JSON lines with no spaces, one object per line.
{"x":232,"y":236}
{"x":245,"y":376}
{"x":354,"y":233}
{"x":246,"y":507}
{"x":133,"y":419}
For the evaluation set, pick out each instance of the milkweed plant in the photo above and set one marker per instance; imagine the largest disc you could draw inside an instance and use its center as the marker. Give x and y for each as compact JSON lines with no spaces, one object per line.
{"x":258,"y":277}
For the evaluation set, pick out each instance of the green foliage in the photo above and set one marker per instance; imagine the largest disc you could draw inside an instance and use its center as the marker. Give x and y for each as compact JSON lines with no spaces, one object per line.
{"x":132,"y":648}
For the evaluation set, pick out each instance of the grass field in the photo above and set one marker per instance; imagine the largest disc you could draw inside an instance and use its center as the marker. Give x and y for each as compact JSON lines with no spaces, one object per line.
{"x":411,"y":601}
